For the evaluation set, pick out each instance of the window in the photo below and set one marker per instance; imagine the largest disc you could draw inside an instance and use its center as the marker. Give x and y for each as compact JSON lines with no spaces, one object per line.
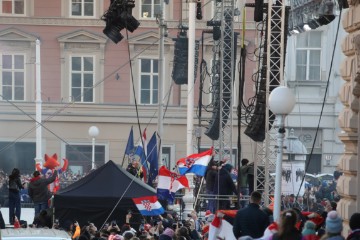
{"x":82,"y":79}
{"x":13,"y":77}
{"x":82,"y":8}
{"x":13,"y":7}
{"x":80,"y":157}
{"x":308,"y":56}
{"x":148,"y":81}
{"x":17,"y":154}
{"x":150,"y":8}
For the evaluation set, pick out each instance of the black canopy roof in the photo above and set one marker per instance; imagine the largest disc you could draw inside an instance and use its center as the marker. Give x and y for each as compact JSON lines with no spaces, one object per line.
{"x":93,"y":197}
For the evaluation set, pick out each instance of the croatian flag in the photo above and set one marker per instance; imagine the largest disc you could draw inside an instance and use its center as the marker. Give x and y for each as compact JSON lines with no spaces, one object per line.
{"x":221,"y":227}
{"x":169,"y":183}
{"x":148,"y":206}
{"x":195,"y":163}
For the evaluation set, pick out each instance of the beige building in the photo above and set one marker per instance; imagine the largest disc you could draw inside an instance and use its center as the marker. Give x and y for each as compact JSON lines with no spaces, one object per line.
{"x":87,"y":80}
{"x":348,"y":185}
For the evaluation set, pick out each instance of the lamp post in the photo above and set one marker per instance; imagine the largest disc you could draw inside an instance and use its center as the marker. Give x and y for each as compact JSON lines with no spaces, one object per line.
{"x":93,"y":133}
{"x":281,"y":103}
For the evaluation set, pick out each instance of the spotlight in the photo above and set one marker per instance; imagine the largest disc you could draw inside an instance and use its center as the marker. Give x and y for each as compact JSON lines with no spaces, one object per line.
{"x":113,"y":32}
{"x":307,"y":27}
{"x":118,"y":17}
{"x":131,"y":23}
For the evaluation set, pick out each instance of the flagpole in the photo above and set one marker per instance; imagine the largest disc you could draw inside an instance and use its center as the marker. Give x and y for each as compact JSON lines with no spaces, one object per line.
{"x":189,"y":195}
{"x":162,"y":28}
{"x":38,"y":102}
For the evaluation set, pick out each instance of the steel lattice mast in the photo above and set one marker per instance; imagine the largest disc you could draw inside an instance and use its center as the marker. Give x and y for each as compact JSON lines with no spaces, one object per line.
{"x":225,"y":53}
{"x":275,"y":54}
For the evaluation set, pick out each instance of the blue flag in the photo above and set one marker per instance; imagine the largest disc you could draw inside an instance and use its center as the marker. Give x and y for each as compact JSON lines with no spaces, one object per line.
{"x":141,"y":152}
{"x":129,"y":150}
{"x":152,"y":159}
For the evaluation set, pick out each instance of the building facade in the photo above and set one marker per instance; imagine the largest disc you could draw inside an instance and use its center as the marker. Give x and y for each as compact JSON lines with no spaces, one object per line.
{"x":87,"y":80}
{"x":314,"y":75}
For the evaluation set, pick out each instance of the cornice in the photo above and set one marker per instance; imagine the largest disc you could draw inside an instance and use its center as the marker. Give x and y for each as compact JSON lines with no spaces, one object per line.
{"x":93,"y":22}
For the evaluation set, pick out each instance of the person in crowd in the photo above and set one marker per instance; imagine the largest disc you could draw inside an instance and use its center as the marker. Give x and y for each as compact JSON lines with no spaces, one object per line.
{"x":285,"y":204}
{"x":250,"y":177}
{"x":224,"y":185}
{"x":134,"y":169}
{"x":198,"y":225}
{"x":300,"y":203}
{"x":292,"y":203}
{"x":183,"y":233}
{"x":43,"y":220}
{"x":309,"y":231}
{"x":210,"y":177}
{"x":128,"y":235}
{"x":244,"y":188}
{"x":251,"y":221}
{"x":14,"y":195}
{"x":2,"y":222}
{"x":269,"y":213}
{"x":333,"y":227}
{"x":77,"y":230}
{"x":167,"y":234}
{"x":287,"y":229}
{"x":354,"y":224}
{"x":39,"y":192}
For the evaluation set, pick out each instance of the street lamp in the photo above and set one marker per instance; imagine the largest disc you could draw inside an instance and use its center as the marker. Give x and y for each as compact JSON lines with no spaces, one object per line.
{"x":281,"y":103}
{"x":93,"y":133}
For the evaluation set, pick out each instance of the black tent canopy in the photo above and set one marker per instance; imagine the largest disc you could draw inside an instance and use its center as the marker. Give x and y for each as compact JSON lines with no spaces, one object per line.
{"x":92,"y":198}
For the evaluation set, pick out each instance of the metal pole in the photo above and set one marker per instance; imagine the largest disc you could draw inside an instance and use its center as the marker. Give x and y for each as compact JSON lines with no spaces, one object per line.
{"x":38,"y":102}
{"x":191,"y":67}
{"x":189,"y":196}
{"x":162,"y":27}
{"x":280,"y":145}
{"x":93,"y":154}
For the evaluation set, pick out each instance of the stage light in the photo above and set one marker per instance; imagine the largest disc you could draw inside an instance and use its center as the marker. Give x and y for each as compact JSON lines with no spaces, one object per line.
{"x":113,"y":33}
{"x":308,"y":15}
{"x":118,"y":17}
{"x":131,"y":23}
{"x":307,"y":27}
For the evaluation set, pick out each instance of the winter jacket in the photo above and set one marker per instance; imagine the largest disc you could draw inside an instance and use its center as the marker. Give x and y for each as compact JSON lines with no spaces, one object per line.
{"x":224,"y":185}
{"x":15,"y":185}
{"x":250,"y":221}
{"x":311,"y":237}
{"x":295,"y":235}
{"x":339,"y":237}
{"x":355,"y":235}
{"x":38,"y":190}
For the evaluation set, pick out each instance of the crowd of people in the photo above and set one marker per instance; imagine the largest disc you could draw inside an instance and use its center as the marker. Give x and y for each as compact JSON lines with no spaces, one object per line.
{"x":310,"y":216}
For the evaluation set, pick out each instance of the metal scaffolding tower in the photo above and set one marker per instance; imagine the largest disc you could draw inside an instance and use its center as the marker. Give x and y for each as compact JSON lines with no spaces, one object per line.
{"x":274,"y":53}
{"x":223,"y":67}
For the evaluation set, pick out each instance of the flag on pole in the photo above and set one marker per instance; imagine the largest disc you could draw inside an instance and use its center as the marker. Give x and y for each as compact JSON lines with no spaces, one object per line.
{"x":148,"y":206}
{"x":195,"y":163}
{"x":129,"y":150}
{"x":152,"y":159}
{"x":141,"y":152}
{"x":169,"y":183}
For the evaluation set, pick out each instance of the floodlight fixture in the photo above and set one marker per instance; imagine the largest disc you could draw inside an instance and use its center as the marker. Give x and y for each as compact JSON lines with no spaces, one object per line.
{"x":113,"y":32}
{"x":118,"y":17}
{"x":307,"y":27}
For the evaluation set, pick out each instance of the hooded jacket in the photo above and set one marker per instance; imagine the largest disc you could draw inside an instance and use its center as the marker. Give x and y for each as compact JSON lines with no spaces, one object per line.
{"x":38,"y":190}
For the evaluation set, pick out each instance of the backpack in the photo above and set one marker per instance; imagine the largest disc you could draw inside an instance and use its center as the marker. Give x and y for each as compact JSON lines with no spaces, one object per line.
{"x":13,"y":185}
